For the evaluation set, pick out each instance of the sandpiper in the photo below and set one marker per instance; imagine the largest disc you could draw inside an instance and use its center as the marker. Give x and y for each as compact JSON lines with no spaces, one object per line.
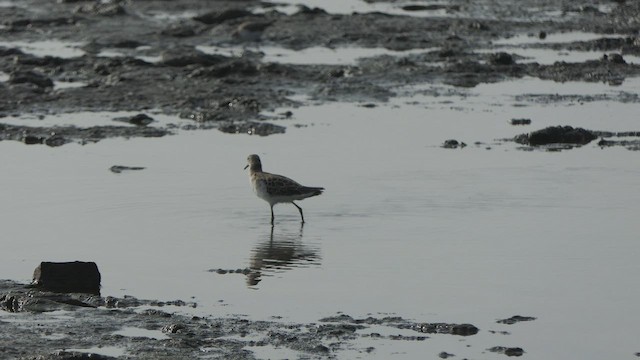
{"x":275,"y":189}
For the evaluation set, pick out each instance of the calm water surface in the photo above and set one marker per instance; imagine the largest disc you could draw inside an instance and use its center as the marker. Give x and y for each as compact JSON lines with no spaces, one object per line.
{"x":405,"y":227}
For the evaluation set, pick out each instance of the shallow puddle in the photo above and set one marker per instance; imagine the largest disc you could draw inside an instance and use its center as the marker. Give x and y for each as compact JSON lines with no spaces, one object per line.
{"x":138,"y":332}
{"x":312,"y":55}
{"x":347,"y":7}
{"x":113,"y":351}
{"x":562,"y":37}
{"x":119,"y":53}
{"x":52,"y":47}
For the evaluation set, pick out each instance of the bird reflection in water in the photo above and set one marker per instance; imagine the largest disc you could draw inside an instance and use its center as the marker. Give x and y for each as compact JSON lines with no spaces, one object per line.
{"x":279,"y":252}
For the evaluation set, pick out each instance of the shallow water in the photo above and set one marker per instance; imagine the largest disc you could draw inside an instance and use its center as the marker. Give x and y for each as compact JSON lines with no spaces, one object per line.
{"x":51,"y":47}
{"x":405,"y":227}
{"x":312,"y":55}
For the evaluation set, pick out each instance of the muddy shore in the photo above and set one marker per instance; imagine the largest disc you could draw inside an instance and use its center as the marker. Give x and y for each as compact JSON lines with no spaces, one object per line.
{"x":148,"y":56}
{"x":50,"y":325}
{"x":159,"y":68}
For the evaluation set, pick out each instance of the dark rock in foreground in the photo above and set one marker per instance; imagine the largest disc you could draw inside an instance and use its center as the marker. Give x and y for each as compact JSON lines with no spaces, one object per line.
{"x":68,"y":277}
{"x":557,"y":135}
{"x":87,"y":325}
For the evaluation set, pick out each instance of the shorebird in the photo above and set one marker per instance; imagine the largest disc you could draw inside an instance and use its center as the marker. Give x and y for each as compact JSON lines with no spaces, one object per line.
{"x":275,"y":189}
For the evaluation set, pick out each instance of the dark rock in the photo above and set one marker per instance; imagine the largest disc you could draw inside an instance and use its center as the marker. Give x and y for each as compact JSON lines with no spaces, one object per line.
{"x":501,"y":58}
{"x":138,"y":120}
{"x":557,"y":135}
{"x":520,"y":121}
{"x":542,"y":35}
{"x":431,"y":7}
{"x":217,"y":17}
{"x":32,"y":77}
{"x":127,"y":44}
{"x":55,"y":140}
{"x":443,"y":328}
{"x":415,"y":7}
{"x":184,"y":57}
{"x":9,"y":51}
{"x":119,"y":168}
{"x":305,"y":10}
{"x":32,"y":140}
{"x":44,"y":61}
{"x":614,"y":58}
{"x":72,"y":355}
{"x":515,"y":319}
{"x":77,"y":277}
{"x":444,"y":355}
{"x":514,"y":351}
{"x":453,"y":144}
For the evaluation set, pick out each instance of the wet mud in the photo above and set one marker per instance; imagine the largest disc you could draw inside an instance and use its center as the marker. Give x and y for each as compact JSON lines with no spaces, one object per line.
{"x":46,"y":325}
{"x":146,"y":55}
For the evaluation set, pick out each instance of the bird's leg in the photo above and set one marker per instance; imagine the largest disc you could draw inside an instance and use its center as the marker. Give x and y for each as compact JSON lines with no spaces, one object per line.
{"x":272,"y":215}
{"x":299,"y":209}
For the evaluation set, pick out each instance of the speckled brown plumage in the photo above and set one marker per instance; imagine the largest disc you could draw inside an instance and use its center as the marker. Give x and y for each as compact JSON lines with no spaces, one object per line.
{"x":277,"y":188}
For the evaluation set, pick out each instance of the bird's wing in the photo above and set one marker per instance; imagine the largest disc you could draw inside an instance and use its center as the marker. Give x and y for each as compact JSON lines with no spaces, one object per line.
{"x":282,"y":185}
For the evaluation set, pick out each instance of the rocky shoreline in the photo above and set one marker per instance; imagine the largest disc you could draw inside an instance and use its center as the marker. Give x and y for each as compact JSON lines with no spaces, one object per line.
{"x":49,"y":324}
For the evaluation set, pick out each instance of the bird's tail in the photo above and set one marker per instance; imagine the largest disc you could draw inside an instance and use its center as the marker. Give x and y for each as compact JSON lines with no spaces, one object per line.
{"x":314,"y":191}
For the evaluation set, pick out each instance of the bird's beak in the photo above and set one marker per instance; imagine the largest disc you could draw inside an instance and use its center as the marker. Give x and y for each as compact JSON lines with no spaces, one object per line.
{"x":245,"y":168}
